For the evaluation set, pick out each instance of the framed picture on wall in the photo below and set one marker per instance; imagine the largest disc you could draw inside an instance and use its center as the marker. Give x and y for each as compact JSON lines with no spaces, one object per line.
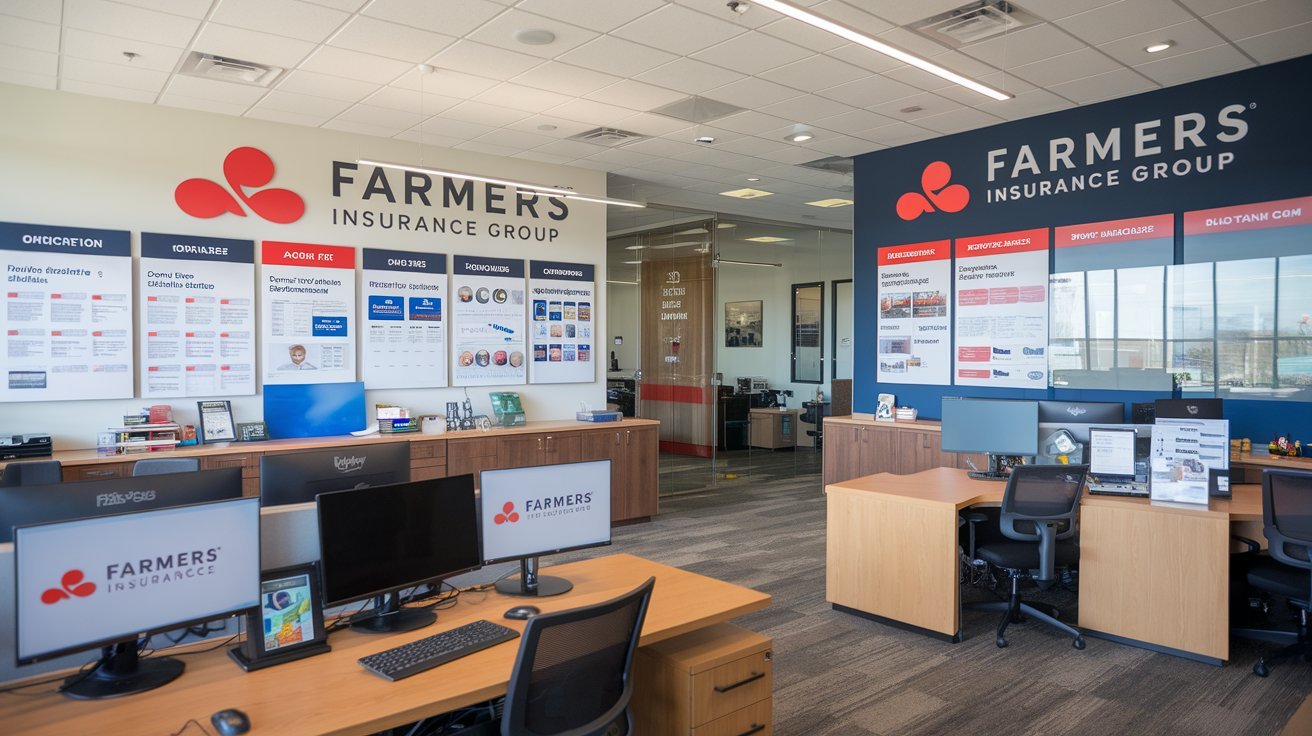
{"x":743,"y":325}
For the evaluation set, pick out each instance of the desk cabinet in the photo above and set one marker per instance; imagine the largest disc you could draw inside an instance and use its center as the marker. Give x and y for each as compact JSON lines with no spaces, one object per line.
{"x":711,"y":682}
{"x":633,"y":465}
{"x":856,"y":450}
{"x":773,"y":429}
{"x":538,"y":449}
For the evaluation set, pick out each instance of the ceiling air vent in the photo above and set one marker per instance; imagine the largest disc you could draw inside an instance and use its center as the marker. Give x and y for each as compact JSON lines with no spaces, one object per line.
{"x":227,"y":69}
{"x":611,"y":137}
{"x":833,"y":164}
{"x":974,"y":22}
{"x":697,"y":109}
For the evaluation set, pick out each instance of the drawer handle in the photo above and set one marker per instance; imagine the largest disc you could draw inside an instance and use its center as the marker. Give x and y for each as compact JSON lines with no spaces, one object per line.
{"x":98,"y":472}
{"x":756,"y":728}
{"x":726,"y":688}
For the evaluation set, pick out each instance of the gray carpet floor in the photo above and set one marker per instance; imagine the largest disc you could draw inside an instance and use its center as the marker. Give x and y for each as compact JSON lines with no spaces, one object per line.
{"x":841,"y":674}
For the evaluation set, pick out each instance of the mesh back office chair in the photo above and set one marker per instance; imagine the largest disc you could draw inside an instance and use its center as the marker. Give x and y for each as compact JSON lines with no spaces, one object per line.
{"x":1287,"y":524}
{"x":159,"y":465}
{"x":572,"y":675}
{"x":1039,"y":511}
{"x":32,"y":473}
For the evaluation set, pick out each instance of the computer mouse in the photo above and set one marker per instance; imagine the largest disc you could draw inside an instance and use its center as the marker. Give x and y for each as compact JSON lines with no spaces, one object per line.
{"x":523,"y":612}
{"x":230,"y":722}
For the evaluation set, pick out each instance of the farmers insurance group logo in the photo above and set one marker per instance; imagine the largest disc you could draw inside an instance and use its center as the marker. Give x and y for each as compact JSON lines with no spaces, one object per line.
{"x":244,"y":167}
{"x":71,"y":584}
{"x":507,"y":515}
{"x":937,"y":194}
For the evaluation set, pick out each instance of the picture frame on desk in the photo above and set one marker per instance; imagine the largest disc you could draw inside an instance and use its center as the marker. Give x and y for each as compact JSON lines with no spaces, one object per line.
{"x":288,"y":624}
{"x":252,"y":432}
{"x":216,"y":422}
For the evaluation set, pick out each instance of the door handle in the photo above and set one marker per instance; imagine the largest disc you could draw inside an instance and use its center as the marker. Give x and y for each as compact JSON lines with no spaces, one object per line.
{"x":539,"y":444}
{"x":628,"y":437}
{"x":750,"y":679}
{"x":756,"y":728}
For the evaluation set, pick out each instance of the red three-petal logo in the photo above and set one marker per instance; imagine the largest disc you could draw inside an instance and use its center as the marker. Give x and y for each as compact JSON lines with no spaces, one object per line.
{"x":938,"y":193}
{"x":508,"y":514}
{"x":72,"y":585}
{"x":244,"y":167}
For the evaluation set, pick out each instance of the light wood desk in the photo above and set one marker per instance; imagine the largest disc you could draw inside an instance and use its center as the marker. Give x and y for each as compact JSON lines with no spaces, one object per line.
{"x":333,"y":694}
{"x":1150,"y":575}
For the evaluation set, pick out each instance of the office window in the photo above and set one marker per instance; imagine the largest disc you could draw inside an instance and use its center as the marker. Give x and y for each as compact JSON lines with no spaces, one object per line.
{"x":1101,"y":306}
{"x":1067,"y":335}
{"x":1140,"y":300}
{"x":1246,"y":299}
{"x":808,"y":323}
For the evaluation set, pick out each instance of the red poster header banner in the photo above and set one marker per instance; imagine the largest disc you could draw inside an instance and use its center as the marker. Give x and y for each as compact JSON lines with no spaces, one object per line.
{"x":1021,"y":241}
{"x":275,"y":253}
{"x":1116,"y":231}
{"x":938,"y":250}
{"x":1281,"y":213}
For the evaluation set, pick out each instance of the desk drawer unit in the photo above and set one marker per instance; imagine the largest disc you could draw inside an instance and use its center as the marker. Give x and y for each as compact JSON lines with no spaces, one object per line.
{"x":97,"y":471}
{"x":712,"y":682}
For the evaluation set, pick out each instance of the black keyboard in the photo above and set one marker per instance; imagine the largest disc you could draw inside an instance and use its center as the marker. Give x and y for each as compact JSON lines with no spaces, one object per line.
{"x":431,"y":651}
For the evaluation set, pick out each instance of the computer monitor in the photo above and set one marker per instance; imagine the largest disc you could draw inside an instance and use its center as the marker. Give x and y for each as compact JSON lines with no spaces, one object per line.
{"x":297,"y":477}
{"x":107,"y":581}
{"x":22,"y":505}
{"x":376,"y":542}
{"x":1187,"y":409}
{"x":1064,"y":427}
{"x":999,"y":427}
{"x":543,"y":510}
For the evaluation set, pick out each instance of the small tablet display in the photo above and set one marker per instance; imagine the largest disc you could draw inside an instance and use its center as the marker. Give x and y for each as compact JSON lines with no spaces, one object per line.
{"x":287,"y":610}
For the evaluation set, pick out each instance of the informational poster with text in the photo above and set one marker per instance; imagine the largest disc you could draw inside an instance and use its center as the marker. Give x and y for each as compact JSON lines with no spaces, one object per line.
{"x":67,"y":313}
{"x":307,"y":295}
{"x":196,"y":312}
{"x":562,"y":322}
{"x":915,"y":313}
{"x":1002,"y":310}
{"x":487,"y":347}
{"x":403,"y":343}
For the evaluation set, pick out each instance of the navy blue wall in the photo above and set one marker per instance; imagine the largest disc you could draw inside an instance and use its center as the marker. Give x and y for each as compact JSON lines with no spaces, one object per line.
{"x":1272,"y":161}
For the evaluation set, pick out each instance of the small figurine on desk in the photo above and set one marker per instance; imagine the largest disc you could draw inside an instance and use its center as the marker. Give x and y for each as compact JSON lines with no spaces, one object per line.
{"x":1285,"y":447}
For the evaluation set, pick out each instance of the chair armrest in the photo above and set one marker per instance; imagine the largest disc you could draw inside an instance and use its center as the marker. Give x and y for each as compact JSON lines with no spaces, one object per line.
{"x":1252,"y":545}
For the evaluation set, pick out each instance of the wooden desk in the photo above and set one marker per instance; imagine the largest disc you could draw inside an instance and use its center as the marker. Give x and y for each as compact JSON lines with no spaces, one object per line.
{"x":1150,"y":574}
{"x":333,"y":694}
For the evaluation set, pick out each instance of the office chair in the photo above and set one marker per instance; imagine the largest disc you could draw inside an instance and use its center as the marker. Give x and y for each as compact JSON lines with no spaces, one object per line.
{"x":1039,"y":509}
{"x":32,"y":473}
{"x":1287,"y":572}
{"x":573,"y":673}
{"x":159,"y":465}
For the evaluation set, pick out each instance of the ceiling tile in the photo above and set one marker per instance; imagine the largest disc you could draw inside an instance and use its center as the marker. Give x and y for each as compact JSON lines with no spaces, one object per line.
{"x":1064,"y":68}
{"x":650,"y":124}
{"x":290,"y":17}
{"x":354,"y":65}
{"x":865,"y":58}
{"x":29,"y":34}
{"x":929,"y":104}
{"x":379,"y":37}
{"x":514,"y":139}
{"x":616,"y":56}
{"x":489,"y":149}
{"x":751,"y":122}
{"x":560,"y":127}
{"x":9,"y":76}
{"x":1124,"y":18}
{"x":843,"y":146}
{"x":566,"y":79}
{"x":410,"y":100}
{"x":666,"y":148}
{"x":1103,"y":86}
{"x":130,"y":22}
{"x":115,"y":75}
{"x":752,"y":146}
{"x":1183,"y":68}
{"x":955,"y":121}
{"x":381,"y":116}
{"x":853,"y":122}
{"x":1188,"y":37}
{"x":450,"y":18}
{"x":590,"y":111}
{"x":1004,"y":81}
{"x":689,"y":76}
{"x":546,"y":158}
{"x":456,"y":129}
{"x":260,"y":112}
{"x":903,"y":13}
{"x":678,"y":29}
{"x":598,"y":16}
{"x":305,"y":105}
{"x":897,"y":134}
{"x":109,"y":49}
{"x":1023,"y":47}
{"x":427,"y":141}
{"x":853,"y":15}
{"x":485,"y":61}
{"x":42,"y":11}
{"x":913,"y":42}
{"x":1269,"y":48}
{"x":325,"y":85}
{"x":350,"y":126}
{"x":803,"y":35}
{"x":445,"y":82}
{"x":1057,"y":9}
{"x":869,"y":91}
{"x":816,"y":72}
{"x":1026,"y":104}
{"x":570,"y":148}
{"x":793,"y":155}
{"x":752,"y":53}
{"x":500,"y":32}
{"x":29,"y":61}
{"x":1261,"y":17}
{"x":248,"y":45}
{"x":203,"y":105}
{"x":519,"y":97}
{"x":106,"y":90}
{"x":484,"y":114}
{"x":752,"y":93}
{"x":211,"y":89}
{"x":806,"y":108}
{"x":636,"y":95}
{"x":622,"y":157}
{"x":1208,"y":7}
{"x":349,"y":6}
{"x":190,"y":8}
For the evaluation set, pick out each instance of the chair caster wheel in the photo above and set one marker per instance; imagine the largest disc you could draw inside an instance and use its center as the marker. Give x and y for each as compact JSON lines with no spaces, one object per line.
{"x":1260,"y":669}
{"x":1002,"y":642}
{"x":1078,"y":643}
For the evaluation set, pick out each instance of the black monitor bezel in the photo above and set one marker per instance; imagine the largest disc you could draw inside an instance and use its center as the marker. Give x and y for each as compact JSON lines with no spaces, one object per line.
{"x":1171,"y":403}
{"x":323,"y":568}
{"x":403,"y":449}
{"x":1037,"y":447}
{"x":129,"y":636}
{"x":1088,"y":462}
{"x":1066,"y":418}
{"x":610,"y":527}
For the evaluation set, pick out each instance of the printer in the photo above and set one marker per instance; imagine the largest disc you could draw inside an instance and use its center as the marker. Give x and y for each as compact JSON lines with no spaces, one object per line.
{"x":32,"y":444}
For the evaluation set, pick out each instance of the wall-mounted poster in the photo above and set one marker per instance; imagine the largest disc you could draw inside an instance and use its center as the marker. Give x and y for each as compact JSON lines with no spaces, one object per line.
{"x":1132,"y":243}
{"x":1002,"y":310}
{"x":744,"y":324}
{"x":308,"y":303}
{"x":487,"y":341}
{"x":563,"y":321}
{"x":915,"y":313}
{"x":1241,"y":232}
{"x":196,"y":311}
{"x":67,"y":313}
{"x":403,"y":338}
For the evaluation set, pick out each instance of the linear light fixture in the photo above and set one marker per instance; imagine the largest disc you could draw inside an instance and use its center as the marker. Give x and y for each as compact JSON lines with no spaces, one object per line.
{"x":767,"y":239}
{"x":749,"y":263}
{"x":747,"y":193}
{"x":855,"y":36}
{"x":835,"y":202}
{"x":629,"y":283}
{"x":528,"y":187}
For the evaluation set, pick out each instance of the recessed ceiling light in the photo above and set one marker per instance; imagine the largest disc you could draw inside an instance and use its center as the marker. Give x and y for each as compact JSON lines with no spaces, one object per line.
{"x":1158,"y":47}
{"x":634,"y":247}
{"x":835,"y":202}
{"x":726,"y":225}
{"x":767,"y":239}
{"x":799,"y":137}
{"x":753,"y":178}
{"x":632,"y":263}
{"x":535,"y":36}
{"x":746,"y":193}
{"x":704,"y":139}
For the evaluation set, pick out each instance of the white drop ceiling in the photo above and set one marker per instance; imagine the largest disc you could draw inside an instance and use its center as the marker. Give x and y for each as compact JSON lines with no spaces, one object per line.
{"x":352,"y":66}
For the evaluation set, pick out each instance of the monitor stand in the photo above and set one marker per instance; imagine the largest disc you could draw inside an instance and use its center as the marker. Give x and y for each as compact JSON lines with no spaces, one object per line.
{"x":531,"y":584}
{"x":387,"y":616}
{"x":994,"y":472}
{"x":121,"y":671}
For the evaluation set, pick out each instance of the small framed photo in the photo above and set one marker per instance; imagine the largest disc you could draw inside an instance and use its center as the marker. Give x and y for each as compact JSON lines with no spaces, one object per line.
{"x":252,"y":431}
{"x":216,"y":422}
{"x":743,"y":324}
{"x":288,"y":625}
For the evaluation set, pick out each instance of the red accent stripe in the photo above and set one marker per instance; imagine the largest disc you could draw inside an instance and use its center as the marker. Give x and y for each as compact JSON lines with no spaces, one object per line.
{"x":685,"y":448}
{"x":1115,"y":231}
{"x":676,"y":394}
{"x":1020,"y":241}
{"x":938,"y":250}
{"x":1281,"y":213}
{"x":278,"y":253}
